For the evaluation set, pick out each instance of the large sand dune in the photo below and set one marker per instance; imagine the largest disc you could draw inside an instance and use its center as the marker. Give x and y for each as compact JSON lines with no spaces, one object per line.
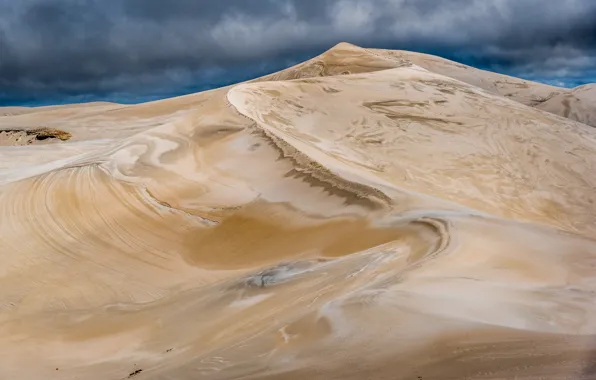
{"x":365,"y":214}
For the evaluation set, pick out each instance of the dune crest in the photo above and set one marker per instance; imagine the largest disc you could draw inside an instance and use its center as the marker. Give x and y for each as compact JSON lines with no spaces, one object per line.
{"x":364,"y":214}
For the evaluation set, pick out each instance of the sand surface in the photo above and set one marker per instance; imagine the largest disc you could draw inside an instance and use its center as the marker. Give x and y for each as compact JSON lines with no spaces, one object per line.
{"x":578,"y":104}
{"x":366,"y":214}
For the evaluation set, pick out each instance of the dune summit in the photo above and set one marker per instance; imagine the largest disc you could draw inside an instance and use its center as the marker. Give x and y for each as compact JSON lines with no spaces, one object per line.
{"x":365,"y":214}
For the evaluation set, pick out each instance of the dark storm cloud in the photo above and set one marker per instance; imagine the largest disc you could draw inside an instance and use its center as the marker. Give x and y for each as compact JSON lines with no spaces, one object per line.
{"x":75,"y":47}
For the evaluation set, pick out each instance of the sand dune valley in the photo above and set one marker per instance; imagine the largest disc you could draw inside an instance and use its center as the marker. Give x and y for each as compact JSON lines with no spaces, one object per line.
{"x":367,"y":214}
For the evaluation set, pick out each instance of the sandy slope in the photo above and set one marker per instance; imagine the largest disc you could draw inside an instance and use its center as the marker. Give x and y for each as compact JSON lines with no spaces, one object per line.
{"x":393,"y":223}
{"x":578,"y":104}
{"x":523,"y":91}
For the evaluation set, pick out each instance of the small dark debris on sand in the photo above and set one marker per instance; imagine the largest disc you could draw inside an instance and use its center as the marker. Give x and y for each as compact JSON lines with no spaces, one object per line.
{"x":133,"y":374}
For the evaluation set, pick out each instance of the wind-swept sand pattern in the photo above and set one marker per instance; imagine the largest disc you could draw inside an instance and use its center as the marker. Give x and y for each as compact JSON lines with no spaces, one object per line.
{"x":576,"y":104}
{"x":579,"y":104}
{"x":523,"y":91}
{"x":359,"y":215}
{"x":431,"y":134}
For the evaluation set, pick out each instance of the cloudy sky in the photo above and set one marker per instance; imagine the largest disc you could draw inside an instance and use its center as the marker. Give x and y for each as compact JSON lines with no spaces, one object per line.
{"x":136,"y":50}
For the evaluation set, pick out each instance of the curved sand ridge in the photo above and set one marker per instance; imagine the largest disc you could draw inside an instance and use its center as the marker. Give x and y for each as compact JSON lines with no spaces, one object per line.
{"x":389,"y":223}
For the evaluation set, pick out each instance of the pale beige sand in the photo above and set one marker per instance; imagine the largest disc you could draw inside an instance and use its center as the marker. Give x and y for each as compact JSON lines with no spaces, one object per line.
{"x":357,"y":216}
{"x":579,"y":104}
{"x":16,"y":138}
{"x":523,"y":91}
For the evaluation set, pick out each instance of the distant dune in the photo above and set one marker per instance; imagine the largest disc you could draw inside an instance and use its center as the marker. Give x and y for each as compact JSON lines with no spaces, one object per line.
{"x":523,"y":91}
{"x":578,"y":104}
{"x":365,"y":214}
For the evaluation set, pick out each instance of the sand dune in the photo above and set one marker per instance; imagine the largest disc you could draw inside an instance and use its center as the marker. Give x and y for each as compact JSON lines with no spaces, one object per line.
{"x":523,"y":91}
{"x":578,"y":104}
{"x":365,"y":214}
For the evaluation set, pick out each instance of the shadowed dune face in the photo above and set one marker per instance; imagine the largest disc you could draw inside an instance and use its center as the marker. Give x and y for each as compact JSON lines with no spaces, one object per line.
{"x":356,"y":216}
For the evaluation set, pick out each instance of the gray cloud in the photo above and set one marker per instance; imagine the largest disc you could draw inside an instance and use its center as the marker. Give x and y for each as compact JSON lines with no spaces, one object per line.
{"x":109,"y":46}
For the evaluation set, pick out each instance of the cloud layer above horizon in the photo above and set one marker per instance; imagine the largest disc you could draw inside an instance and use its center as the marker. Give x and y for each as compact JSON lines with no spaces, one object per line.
{"x":131,"y":50}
